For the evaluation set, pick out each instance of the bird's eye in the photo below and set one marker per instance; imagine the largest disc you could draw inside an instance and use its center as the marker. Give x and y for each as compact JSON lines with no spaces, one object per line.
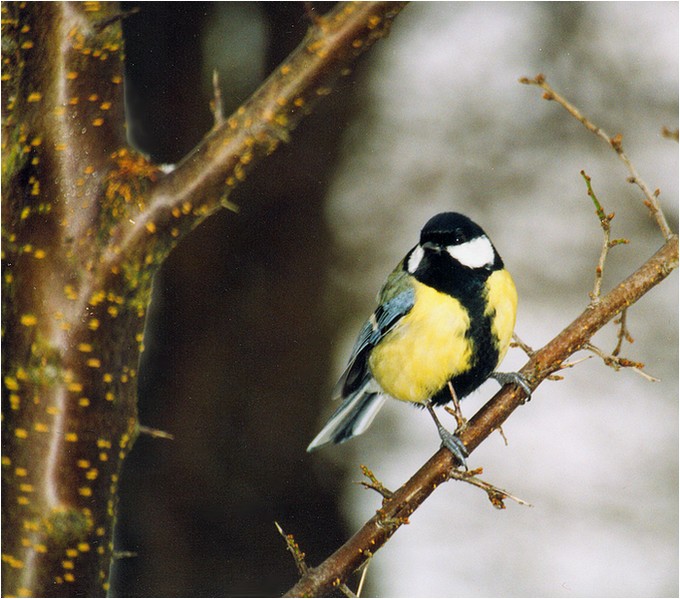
{"x":459,"y":236}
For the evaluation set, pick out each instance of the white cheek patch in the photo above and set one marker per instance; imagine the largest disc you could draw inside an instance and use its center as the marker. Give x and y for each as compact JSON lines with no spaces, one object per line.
{"x":415,"y":258}
{"x":475,"y":253}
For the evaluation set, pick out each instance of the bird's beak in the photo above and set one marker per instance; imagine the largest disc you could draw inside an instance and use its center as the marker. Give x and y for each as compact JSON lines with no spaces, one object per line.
{"x":429,"y":245}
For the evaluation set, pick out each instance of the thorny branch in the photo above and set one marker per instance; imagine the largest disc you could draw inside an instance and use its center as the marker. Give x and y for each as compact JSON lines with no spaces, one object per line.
{"x":542,"y":364}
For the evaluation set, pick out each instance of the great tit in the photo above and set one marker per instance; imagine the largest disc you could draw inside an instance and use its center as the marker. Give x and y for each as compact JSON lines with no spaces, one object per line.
{"x":444,"y":322}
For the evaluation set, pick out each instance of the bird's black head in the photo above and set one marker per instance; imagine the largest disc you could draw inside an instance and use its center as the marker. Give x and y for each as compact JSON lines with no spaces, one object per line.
{"x":450,"y":228}
{"x":453,"y":251}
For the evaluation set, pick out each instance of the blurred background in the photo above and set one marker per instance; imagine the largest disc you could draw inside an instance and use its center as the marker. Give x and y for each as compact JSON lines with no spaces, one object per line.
{"x":254,"y":314}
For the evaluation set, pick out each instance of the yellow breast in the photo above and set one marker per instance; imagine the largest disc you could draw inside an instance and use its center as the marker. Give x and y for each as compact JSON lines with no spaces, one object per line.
{"x":502,"y":298}
{"x":430,"y":346}
{"x":426,"y":349}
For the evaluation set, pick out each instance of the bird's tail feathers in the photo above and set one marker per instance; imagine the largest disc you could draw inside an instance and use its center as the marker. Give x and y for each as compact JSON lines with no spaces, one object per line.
{"x":352,"y":418}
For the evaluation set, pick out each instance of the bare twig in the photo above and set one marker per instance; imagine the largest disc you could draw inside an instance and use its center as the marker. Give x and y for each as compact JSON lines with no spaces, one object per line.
{"x":570,"y":364}
{"x":651,"y":198}
{"x":517,"y":342}
{"x":605,"y":223}
{"x":496,"y":495}
{"x":617,"y":362}
{"x":529,"y":351}
{"x":295,"y":551}
{"x":346,"y":591}
{"x":374,"y":483}
{"x":364,"y":573}
{"x":455,"y":411}
{"x":501,"y":432}
{"x":119,"y":16}
{"x":623,"y":334}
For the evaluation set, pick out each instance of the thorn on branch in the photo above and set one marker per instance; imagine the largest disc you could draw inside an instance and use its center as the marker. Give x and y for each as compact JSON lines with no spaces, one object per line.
{"x":295,"y":550}
{"x":375,"y":484}
{"x":155,"y":432}
{"x":121,"y":554}
{"x":496,"y":495}
{"x":119,"y":16}
{"x":216,"y":103}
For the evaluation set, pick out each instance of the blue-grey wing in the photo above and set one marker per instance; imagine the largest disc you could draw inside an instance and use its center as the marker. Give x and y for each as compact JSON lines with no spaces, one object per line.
{"x":381,"y":322}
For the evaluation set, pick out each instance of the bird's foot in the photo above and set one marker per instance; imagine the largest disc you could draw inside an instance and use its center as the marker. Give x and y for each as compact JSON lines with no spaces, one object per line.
{"x":450,"y":440}
{"x":453,"y":443}
{"x":515,"y":378}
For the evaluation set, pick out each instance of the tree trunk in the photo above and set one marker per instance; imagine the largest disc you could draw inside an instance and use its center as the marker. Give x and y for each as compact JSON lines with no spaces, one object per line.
{"x":86,"y":224}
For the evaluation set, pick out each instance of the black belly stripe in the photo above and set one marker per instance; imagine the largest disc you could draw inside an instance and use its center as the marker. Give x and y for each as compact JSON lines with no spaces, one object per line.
{"x":468,"y":287}
{"x":485,"y":354}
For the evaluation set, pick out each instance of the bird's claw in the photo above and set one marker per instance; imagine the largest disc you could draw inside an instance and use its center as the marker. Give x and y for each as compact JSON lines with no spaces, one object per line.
{"x":515,"y":378}
{"x":453,"y":443}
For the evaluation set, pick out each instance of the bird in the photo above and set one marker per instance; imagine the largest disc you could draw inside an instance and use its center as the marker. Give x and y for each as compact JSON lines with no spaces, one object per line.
{"x":444,"y":322}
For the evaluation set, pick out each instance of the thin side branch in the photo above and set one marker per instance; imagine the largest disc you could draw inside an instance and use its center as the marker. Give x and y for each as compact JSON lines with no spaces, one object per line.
{"x":651,"y":198}
{"x":374,"y":483}
{"x":623,"y":334}
{"x":605,"y":223}
{"x":496,"y":495}
{"x":295,"y":551}
{"x":526,"y":348}
{"x":618,"y":362}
